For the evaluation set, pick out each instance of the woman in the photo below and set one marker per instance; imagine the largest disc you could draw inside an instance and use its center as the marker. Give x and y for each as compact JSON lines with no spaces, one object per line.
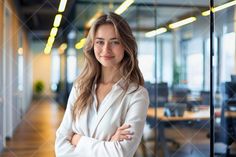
{"x":107,"y":106}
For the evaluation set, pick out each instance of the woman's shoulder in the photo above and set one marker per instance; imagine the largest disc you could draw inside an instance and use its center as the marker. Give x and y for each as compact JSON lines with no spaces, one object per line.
{"x":132,"y":88}
{"x":138,"y":93}
{"x":136,"y":89}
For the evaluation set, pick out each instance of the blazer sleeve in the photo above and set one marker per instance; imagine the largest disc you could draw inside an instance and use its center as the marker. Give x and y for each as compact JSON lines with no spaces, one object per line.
{"x":135,"y":116}
{"x":64,"y":132}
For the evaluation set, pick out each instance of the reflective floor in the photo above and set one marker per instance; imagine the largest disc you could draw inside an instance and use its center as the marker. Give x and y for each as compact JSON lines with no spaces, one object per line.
{"x":35,"y":135}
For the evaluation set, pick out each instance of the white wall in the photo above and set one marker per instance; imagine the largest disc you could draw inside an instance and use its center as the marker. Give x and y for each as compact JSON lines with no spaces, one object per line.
{"x":41,"y":70}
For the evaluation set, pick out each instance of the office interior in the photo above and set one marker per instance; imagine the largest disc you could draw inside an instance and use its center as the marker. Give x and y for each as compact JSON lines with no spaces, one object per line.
{"x":42,"y":54}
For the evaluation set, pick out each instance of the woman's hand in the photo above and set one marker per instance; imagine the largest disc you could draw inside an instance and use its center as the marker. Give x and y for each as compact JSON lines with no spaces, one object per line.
{"x":75,"y":139}
{"x":122,"y":133}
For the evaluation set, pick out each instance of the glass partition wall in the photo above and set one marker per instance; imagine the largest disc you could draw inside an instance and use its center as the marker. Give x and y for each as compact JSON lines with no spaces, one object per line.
{"x":174,"y":46}
{"x":224,"y":80}
{"x":174,"y":59}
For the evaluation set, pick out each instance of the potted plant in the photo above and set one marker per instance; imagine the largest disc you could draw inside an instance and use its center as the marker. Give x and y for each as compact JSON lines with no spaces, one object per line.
{"x":39,"y":88}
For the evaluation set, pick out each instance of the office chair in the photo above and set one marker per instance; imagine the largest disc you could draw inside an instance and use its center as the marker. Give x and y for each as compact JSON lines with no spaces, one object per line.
{"x":233,"y":78}
{"x":180,"y":95}
{"x":150,"y":88}
{"x":226,"y":132}
{"x":205,"y":98}
{"x":162,"y":94}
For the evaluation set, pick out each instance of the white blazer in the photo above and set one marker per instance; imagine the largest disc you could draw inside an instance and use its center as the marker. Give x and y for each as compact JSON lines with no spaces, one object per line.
{"x":130,"y":108}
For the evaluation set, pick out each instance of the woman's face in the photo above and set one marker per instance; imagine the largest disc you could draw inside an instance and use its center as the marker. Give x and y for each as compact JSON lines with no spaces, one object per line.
{"x":107,"y":47}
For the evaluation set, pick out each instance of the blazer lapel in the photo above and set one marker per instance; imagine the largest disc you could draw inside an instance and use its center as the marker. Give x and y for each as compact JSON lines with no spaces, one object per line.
{"x":83,"y":123}
{"x":113,"y":97}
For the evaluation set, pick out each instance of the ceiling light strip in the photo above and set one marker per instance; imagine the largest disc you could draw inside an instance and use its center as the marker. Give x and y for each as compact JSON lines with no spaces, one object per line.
{"x":80,"y":44}
{"x":53,"y":32}
{"x":62,"y":6}
{"x":124,"y":6}
{"x":182,"y":22}
{"x":57,"y":20}
{"x":221,"y":7}
{"x":156,"y":32}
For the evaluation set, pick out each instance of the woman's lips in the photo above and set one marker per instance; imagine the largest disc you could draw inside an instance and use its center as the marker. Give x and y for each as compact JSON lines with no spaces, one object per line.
{"x":107,"y":57}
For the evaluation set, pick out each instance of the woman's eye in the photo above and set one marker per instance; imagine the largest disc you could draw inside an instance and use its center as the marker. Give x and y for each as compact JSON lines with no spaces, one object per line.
{"x":115,"y":42}
{"x":99,"y":42}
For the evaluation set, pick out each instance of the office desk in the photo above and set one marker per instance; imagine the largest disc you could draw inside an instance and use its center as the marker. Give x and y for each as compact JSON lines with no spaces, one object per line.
{"x":231,"y":114}
{"x":202,"y":114}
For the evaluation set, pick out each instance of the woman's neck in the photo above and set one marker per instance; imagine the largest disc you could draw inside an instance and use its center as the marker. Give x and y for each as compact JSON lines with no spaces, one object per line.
{"x":109,"y":77}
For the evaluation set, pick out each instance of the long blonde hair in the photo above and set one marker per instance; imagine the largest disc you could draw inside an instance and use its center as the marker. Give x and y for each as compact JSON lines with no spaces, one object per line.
{"x":129,"y":69}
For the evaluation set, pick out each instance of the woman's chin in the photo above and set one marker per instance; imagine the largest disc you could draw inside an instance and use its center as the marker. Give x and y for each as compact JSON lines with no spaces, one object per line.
{"x":107,"y":65}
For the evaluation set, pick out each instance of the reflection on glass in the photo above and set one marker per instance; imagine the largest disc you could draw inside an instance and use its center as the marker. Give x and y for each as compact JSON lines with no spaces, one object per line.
{"x":71,"y":68}
{"x":20,"y":72}
{"x":55,"y":71}
{"x":146,"y":66}
{"x":228,"y":56}
{"x":195,"y":77}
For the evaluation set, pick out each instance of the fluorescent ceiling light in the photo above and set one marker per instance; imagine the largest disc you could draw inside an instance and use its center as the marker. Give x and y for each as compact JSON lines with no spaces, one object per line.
{"x":51,"y":39}
{"x":155,"y":32}
{"x":62,"y":6}
{"x":80,"y":44}
{"x":49,"y":44}
{"x":20,"y":51}
{"x":63,"y":46}
{"x":206,"y":13}
{"x":221,"y":7}
{"x":182,"y":22}
{"x":57,"y":20}
{"x":53,"y":32}
{"x":124,"y":6}
{"x":47,"y":49}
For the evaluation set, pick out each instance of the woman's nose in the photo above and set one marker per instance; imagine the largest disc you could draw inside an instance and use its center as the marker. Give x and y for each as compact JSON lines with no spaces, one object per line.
{"x":107,"y":47}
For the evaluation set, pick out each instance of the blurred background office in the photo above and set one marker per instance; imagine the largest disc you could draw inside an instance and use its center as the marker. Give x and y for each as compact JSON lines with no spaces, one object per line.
{"x":41,"y":44}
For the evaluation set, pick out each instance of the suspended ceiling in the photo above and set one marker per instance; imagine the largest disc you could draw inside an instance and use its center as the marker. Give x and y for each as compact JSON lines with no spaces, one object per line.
{"x":38,"y":15}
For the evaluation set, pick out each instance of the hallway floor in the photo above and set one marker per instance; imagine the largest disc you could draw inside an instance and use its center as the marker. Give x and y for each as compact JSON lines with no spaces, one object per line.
{"x":35,"y":135}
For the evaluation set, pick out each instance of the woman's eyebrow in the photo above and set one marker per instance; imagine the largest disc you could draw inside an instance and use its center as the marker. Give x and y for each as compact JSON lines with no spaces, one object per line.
{"x":98,"y":38}
{"x":114,"y":39}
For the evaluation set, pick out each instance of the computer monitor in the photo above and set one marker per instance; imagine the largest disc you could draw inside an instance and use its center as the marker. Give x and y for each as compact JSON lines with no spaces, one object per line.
{"x":174,"y":109}
{"x":230,"y":89}
{"x":233,"y":78}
